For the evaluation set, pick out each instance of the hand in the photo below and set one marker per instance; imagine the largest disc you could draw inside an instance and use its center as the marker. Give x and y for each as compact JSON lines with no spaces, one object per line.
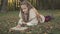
{"x":24,"y":24}
{"x":18,"y":26}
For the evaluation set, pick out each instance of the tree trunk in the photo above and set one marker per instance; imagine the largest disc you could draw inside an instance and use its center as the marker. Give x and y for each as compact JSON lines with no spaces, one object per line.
{"x":46,"y":4}
{"x":4,"y":6}
{"x":38,"y":4}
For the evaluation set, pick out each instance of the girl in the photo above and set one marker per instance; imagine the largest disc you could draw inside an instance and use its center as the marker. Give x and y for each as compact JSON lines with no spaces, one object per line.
{"x":28,"y":17}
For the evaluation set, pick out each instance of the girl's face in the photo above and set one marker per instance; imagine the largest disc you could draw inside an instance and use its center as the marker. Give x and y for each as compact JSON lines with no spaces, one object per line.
{"x":24,"y":8}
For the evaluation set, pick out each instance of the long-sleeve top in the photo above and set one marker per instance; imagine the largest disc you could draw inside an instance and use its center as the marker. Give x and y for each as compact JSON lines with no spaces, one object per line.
{"x":32,"y":18}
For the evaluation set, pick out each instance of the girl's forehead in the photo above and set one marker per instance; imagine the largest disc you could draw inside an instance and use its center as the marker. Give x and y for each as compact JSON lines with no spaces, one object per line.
{"x":23,"y":5}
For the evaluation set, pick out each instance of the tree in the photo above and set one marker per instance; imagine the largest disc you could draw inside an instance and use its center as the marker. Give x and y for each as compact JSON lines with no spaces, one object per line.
{"x":38,"y":4}
{"x":4,"y":6}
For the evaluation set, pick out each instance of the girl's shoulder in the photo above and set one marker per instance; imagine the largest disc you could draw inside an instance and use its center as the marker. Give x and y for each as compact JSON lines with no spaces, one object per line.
{"x":33,"y":10}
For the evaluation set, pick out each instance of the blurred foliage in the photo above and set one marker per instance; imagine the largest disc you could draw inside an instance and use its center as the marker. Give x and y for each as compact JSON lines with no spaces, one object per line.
{"x":38,"y":4}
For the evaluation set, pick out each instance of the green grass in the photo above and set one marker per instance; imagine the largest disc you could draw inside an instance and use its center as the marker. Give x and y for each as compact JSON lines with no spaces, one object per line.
{"x":10,"y":19}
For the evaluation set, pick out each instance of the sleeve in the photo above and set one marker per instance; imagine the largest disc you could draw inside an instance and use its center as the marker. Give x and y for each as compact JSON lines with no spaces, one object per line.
{"x":20,"y":21}
{"x":20,"y":15}
{"x":34,"y":20}
{"x":42,"y":19}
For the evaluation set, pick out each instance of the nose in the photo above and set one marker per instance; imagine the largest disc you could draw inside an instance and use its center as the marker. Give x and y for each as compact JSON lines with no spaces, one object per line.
{"x":23,"y":10}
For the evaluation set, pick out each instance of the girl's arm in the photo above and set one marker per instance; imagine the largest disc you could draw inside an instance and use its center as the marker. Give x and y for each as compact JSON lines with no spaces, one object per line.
{"x":20,"y":21}
{"x":32,"y":22}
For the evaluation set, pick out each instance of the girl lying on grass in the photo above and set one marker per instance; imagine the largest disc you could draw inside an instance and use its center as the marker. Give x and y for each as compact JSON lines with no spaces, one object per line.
{"x":28,"y":17}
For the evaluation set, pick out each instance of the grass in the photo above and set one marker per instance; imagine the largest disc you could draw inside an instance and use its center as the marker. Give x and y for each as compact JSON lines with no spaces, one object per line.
{"x":10,"y":19}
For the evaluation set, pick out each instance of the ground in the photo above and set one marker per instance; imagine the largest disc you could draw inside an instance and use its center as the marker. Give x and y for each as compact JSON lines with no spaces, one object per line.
{"x":10,"y":19}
